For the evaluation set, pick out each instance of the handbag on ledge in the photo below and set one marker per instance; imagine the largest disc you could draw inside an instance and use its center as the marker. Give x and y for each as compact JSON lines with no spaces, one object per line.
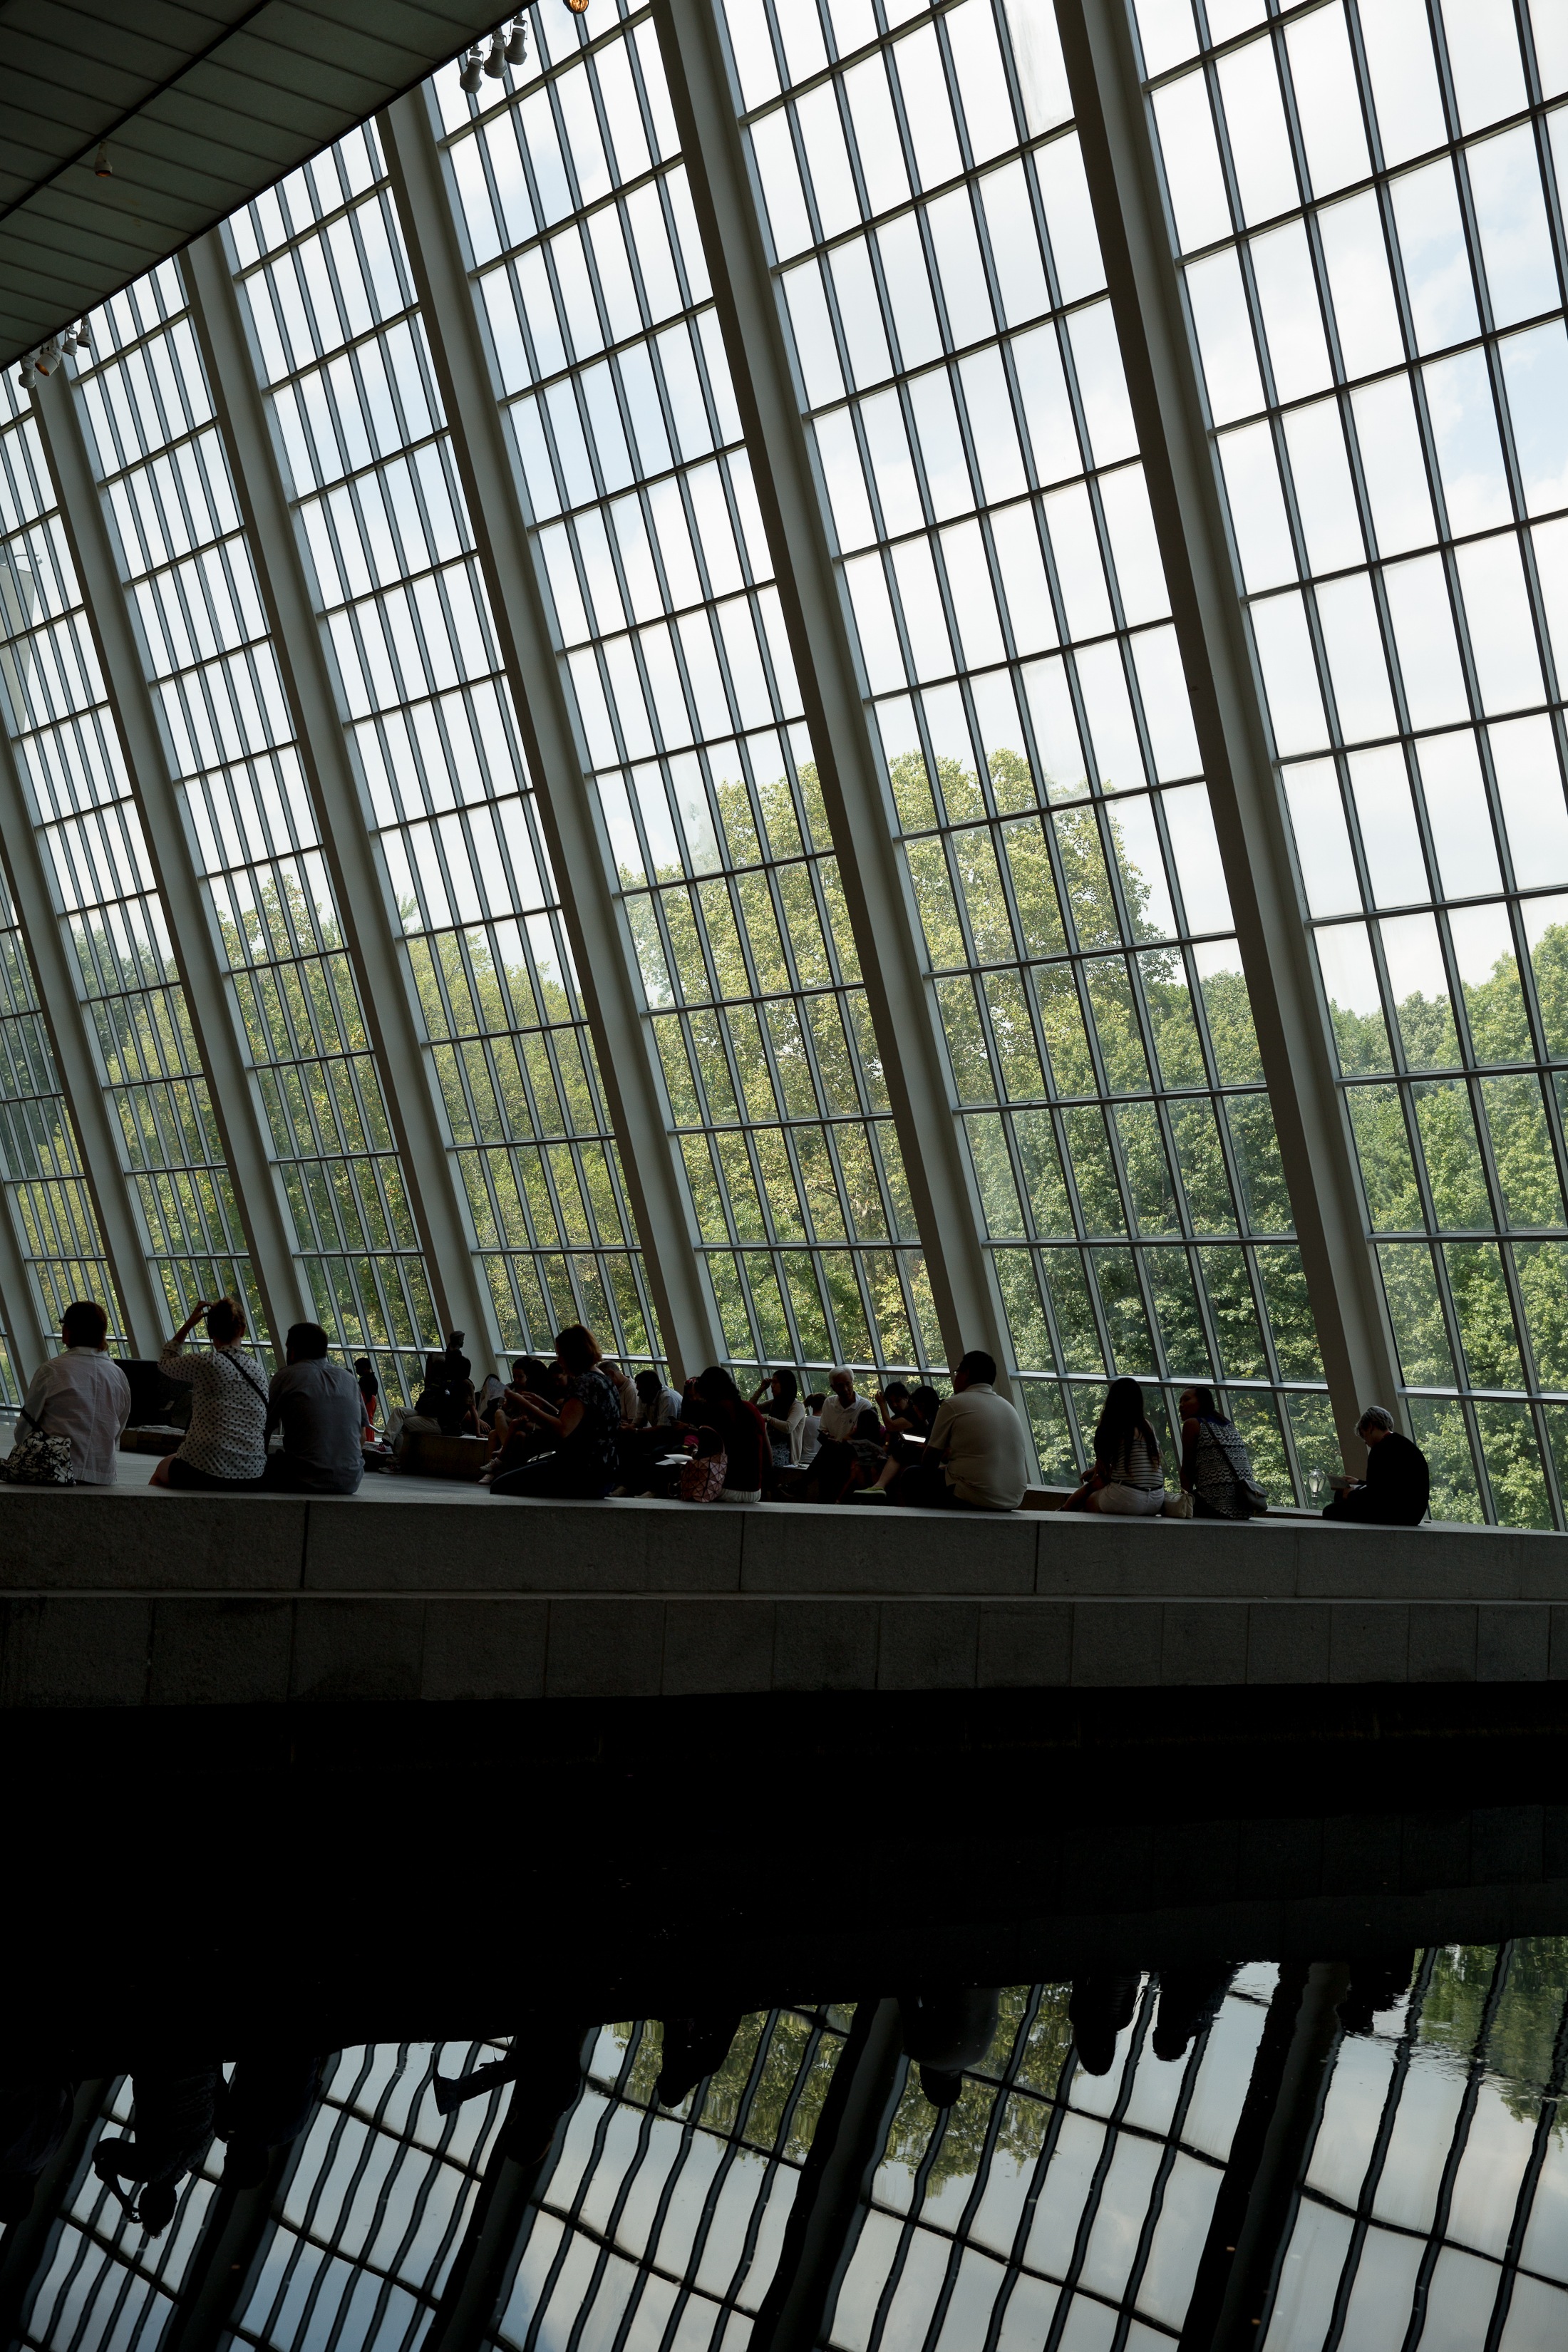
{"x":37,"y":1459}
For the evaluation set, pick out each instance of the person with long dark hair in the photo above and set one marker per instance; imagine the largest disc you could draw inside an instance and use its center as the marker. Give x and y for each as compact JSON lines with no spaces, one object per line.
{"x":713,"y":1402}
{"x":1217,"y":1468}
{"x":1129,"y":1479}
{"x":783,"y":1417}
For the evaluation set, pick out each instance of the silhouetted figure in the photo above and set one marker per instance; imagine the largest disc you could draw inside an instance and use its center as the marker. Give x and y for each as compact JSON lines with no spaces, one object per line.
{"x":1189,"y":2004}
{"x":174,"y":2115}
{"x":945,"y":2033}
{"x":1100,"y":2008}
{"x":1378,"y":1979}
{"x":545,"y":2063}
{"x":32,"y":2119}
{"x":269,"y":2099}
{"x":1398,"y":1483}
{"x":694,"y":2047}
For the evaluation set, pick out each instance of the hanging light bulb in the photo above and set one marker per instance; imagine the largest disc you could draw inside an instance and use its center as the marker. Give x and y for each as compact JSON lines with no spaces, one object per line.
{"x":472,"y":76}
{"x":101,"y":165}
{"x":495,"y":64}
{"x":517,"y":43}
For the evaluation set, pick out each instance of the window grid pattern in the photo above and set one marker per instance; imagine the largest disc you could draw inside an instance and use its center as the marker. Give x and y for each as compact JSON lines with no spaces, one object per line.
{"x":939,"y":273}
{"x":1368,"y":203}
{"x":664,"y":2226}
{"x":430,"y":718}
{"x":51,"y":1210}
{"x":591,"y":278}
{"x":368,"y":2225}
{"x":1049,"y":2206}
{"x":230,"y":740}
{"x":90,"y":833}
{"x":1433,"y":2197}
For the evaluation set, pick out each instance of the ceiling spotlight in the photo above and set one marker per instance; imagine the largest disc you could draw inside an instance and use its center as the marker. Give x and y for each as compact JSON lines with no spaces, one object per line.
{"x":578,"y":7}
{"x":67,"y":340}
{"x":495,"y":64}
{"x":48,"y":357}
{"x":83,"y":340}
{"x":517,"y":43}
{"x":472,"y":76}
{"x":101,"y":165}
{"x":29,"y":374}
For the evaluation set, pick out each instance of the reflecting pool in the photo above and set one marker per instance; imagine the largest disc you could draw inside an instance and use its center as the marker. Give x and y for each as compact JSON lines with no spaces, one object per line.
{"x":1362,"y":2154}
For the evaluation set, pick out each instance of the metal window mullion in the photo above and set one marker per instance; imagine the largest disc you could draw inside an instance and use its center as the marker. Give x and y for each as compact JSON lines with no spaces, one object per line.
{"x":391,"y":1026}
{"x":880,"y":906}
{"x":209,"y":1005}
{"x":1115,"y":135}
{"x":597,"y":927}
{"x":84,"y":1102}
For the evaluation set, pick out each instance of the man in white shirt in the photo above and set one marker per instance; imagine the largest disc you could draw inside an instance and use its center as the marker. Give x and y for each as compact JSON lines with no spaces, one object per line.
{"x":977,"y":1457}
{"x":82,"y":1395}
{"x":657,"y":1406}
{"x":842,"y":1410}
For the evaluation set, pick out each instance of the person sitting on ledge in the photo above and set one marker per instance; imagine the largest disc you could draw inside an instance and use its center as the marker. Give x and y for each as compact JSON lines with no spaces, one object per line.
{"x":82,"y":1396}
{"x":713,"y":1402}
{"x":1128,"y":1480}
{"x":225,"y":1445}
{"x":319,"y":1408}
{"x":1398,"y":1483}
{"x":583,"y":1466}
{"x":977,"y":1458}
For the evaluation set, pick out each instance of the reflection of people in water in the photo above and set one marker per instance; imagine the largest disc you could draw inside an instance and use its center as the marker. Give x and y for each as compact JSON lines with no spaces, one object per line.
{"x":173,"y":2122}
{"x":267,"y":2103}
{"x":1100,"y":2009}
{"x":34,"y":2115}
{"x":945,"y":2033}
{"x":694,"y":2048}
{"x":1190,"y":1996}
{"x":1378,"y":1979}
{"x":545,"y":2063}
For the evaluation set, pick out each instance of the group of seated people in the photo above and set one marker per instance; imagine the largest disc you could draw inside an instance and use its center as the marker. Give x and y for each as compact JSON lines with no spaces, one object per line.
{"x":583,"y":1428}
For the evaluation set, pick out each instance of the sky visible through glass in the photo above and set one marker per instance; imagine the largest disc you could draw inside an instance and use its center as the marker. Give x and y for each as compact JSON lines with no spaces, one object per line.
{"x":1366,"y":202}
{"x":1052,"y":2209}
{"x":1367,"y":230}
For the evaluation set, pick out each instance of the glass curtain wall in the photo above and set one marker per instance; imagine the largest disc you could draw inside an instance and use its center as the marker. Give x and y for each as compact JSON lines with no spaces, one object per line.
{"x":591,"y":277}
{"x":230,"y":740}
{"x":430,"y":719}
{"x":1434,"y":2198}
{"x":91,"y":839}
{"x":664,"y":2226}
{"x":961,"y":373}
{"x":1050,"y":2206}
{"x":1366,"y":199}
{"x":50,"y":1209}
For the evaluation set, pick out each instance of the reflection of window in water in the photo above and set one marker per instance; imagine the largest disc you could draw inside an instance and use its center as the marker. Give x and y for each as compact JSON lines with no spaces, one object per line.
{"x":1049,"y":2207}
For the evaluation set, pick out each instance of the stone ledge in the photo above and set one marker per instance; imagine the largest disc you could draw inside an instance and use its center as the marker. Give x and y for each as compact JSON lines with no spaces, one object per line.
{"x":172,"y":1648}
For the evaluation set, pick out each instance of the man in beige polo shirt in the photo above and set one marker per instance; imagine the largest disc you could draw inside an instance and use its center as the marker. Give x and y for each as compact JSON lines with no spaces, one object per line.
{"x":977,"y":1457}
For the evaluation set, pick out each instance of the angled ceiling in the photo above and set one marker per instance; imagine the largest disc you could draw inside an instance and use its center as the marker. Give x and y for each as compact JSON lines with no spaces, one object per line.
{"x":202,"y":104}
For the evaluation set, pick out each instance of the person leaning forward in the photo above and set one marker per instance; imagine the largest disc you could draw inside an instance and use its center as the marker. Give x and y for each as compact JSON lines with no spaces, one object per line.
{"x":1398,"y":1481}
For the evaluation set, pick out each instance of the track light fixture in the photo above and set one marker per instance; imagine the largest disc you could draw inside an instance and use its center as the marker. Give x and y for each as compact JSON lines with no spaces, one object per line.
{"x":517,"y":43}
{"x":472,"y":76}
{"x":29,"y":375}
{"x":101,"y":165}
{"x":495,"y":64}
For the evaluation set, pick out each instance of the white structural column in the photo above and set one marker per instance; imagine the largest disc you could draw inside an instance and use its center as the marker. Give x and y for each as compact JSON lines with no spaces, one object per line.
{"x":883,"y":913}
{"x":601,"y":941}
{"x":379,"y":971}
{"x":236,"y":1109}
{"x":80,"y":1080}
{"x":1354,"y":1330}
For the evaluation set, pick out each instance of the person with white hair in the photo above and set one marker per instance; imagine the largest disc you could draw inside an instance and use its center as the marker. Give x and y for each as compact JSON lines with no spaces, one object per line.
{"x":1398,"y":1481}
